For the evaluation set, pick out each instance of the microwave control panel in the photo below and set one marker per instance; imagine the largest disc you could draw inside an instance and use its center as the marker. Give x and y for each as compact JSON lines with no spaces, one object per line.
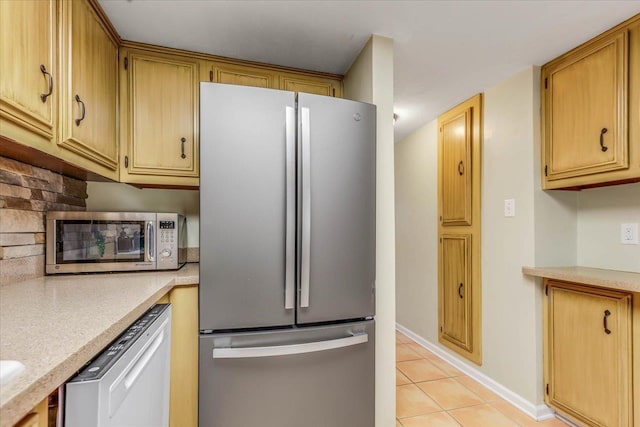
{"x":167,"y":244}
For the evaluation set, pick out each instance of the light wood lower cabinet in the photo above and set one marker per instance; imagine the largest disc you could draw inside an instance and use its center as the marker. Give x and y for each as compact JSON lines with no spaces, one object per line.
{"x":455,"y":290}
{"x":38,"y":417}
{"x":588,"y":353}
{"x":183,"y":401}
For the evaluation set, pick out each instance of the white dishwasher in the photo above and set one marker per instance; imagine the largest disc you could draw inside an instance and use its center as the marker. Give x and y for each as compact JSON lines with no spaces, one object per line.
{"x":127,"y":385}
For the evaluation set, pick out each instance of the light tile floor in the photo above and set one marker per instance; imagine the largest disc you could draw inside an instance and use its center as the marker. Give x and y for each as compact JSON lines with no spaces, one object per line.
{"x":430,"y":392}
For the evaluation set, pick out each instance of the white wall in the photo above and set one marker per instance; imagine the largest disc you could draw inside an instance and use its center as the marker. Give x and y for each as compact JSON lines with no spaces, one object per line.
{"x":417,"y":231}
{"x":112,"y":196}
{"x":370,"y":79}
{"x":508,"y":303}
{"x":600,"y":213}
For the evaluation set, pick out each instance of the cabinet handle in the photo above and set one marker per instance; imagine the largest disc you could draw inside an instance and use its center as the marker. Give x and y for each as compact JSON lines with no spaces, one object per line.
{"x":461,"y":168}
{"x":607,"y":313}
{"x":83,"y":110}
{"x":602,"y":146}
{"x":182,"y":141}
{"x":460,"y":290}
{"x":44,"y":96}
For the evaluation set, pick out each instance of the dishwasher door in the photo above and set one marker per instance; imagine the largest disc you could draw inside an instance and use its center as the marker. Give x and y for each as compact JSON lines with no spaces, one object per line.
{"x":128,"y":384}
{"x":312,"y":377}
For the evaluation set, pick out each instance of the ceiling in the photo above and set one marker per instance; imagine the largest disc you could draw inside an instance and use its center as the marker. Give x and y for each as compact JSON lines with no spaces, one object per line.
{"x":445,"y":51}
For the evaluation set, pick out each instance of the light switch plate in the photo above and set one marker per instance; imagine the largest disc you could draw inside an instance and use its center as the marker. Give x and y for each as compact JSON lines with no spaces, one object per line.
{"x":629,"y":234}
{"x":510,"y":207}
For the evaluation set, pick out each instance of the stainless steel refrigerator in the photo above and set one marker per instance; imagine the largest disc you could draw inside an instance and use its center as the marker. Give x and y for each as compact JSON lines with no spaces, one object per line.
{"x":287,"y":259}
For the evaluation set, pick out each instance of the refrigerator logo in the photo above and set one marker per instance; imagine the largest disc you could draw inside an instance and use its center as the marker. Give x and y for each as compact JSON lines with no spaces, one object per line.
{"x":356,"y":117}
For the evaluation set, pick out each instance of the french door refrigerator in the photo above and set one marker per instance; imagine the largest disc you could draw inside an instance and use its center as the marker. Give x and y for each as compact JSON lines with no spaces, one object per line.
{"x":287,"y":259}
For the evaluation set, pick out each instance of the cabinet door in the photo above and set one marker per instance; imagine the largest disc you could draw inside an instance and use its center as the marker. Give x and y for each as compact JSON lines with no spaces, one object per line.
{"x":184,"y":357}
{"x":27,"y":46}
{"x":588,"y":354}
{"x":308,"y":84}
{"x":455,"y":168}
{"x":242,"y":75}
{"x":37,"y":418}
{"x":162,"y":116}
{"x":455,"y":289}
{"x":89,"y":107}
{"x":586,"y":109}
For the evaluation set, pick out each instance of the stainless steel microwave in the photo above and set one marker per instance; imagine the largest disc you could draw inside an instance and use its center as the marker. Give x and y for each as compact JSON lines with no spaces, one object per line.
{"x":85,"y":242}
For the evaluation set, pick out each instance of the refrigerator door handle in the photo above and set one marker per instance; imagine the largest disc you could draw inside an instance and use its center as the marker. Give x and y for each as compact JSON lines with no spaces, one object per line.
{"x":286,"y":350}
{"x":290,"y":238}
{"x":306,"y":206}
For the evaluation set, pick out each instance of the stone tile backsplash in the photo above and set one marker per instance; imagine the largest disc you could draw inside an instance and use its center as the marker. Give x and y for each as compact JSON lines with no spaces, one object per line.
{"x":26,"y":194}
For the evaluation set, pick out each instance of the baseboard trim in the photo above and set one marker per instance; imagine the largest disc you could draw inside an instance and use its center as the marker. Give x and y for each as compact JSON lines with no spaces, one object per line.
{"x":537,"y":412}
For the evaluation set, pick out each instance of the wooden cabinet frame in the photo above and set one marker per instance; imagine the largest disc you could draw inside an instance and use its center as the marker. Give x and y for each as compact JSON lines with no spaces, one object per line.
{"x":68,"y":105}
{"x":467,"y":227}
{"x":623,"y":166}
{"x":622,"y":329}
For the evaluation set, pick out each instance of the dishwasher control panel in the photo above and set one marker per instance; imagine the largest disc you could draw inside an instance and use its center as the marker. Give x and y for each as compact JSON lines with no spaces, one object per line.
{"x":119,"y":346}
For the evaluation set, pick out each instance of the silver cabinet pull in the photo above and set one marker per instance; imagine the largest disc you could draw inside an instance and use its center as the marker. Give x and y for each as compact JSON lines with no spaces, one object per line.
{"x":306,"y":207}
{"x":286,"y":350}
{"x":290,"y":236}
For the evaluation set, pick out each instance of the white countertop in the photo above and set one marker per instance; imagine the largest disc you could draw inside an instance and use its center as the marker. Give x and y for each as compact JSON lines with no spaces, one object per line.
{"x":56,"y":324}
{"x":612,"y":279}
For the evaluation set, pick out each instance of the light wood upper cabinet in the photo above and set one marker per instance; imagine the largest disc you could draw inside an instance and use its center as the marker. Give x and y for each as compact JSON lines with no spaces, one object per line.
{"x":588,"y":354}
{"x":89,"y":92}
{"x":239,"y":75}
{"x":308,"y":84}
{"x":159,"y":119}
{"x":455,"y":284}
{"x":455,"y":143}
{"x":590,"y":99}
{"x":586,"y":107}
{"x":29,"y":78}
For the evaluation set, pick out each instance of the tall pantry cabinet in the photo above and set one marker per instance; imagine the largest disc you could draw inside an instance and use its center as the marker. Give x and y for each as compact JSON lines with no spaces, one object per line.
{"x":459,"y":291}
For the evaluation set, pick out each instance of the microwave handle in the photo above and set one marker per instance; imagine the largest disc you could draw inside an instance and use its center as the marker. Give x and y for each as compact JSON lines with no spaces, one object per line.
{"x":150,"y":241}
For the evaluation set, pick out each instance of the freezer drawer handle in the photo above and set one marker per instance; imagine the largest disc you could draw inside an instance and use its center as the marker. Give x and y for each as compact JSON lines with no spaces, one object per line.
{"x":286,"y":350}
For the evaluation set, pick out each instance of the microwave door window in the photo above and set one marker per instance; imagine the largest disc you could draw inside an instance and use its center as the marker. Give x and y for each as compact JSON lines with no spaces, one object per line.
{"x":100,"y":241}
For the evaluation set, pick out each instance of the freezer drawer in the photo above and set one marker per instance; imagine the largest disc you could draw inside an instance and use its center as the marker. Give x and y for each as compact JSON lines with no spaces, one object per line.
{"x":312,"y":377}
